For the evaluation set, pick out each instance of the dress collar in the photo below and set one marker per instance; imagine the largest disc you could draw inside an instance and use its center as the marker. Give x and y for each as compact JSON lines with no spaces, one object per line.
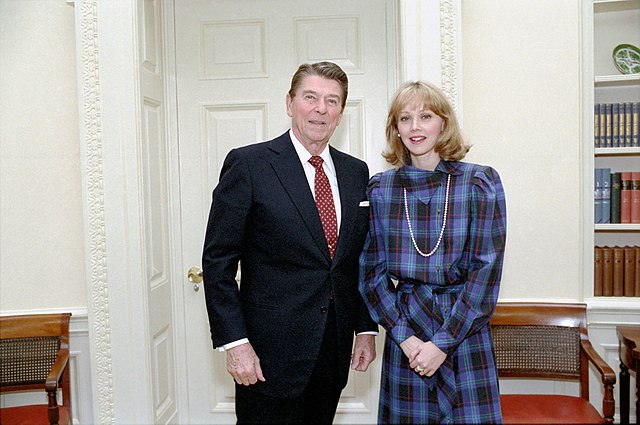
{"x":413,"y":178}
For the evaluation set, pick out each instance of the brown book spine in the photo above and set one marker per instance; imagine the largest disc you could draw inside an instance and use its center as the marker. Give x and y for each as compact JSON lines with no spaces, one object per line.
{"x":630,"y":271}
{"x":637,"y":279}
{"x":597,"y":272}
{"x":607,"y":271}
{"x":618,"y":271}
{"x":625,"y":197}
{"x":635,"y":197}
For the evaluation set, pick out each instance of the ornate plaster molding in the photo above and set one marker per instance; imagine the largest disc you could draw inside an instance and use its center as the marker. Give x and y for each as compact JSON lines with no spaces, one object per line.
{"x":449,"y":50}
{"x":95,"y":212}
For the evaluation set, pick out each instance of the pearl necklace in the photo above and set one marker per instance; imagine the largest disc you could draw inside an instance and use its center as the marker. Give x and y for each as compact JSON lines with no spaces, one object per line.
{"x":444,"y":221}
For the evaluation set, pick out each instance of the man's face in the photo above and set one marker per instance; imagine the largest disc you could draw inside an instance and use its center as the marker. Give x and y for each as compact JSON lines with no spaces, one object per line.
{"x":315,"y":110}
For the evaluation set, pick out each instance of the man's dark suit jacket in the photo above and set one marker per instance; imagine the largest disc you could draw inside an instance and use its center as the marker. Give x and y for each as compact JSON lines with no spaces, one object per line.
{"x":264,"y":215}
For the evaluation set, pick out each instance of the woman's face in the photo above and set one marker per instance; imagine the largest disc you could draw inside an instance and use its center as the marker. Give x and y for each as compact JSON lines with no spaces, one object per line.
{"x":419,"y":130}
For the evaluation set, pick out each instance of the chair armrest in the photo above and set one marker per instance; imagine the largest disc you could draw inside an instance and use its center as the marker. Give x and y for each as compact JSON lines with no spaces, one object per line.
{"x":56,"y":371}
{"x":607,"y":374}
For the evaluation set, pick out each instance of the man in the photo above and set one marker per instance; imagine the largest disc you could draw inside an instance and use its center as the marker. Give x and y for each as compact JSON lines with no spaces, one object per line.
{"x":297,"y":231}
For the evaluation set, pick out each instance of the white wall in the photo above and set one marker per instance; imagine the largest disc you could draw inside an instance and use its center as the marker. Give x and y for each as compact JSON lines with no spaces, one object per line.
{"x":521,"y":100}
{"x":521,"y":108}
{"x":41,"y":234}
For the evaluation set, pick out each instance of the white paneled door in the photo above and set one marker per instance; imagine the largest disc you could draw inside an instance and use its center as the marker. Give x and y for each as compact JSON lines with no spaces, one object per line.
{"x":234,"y":62}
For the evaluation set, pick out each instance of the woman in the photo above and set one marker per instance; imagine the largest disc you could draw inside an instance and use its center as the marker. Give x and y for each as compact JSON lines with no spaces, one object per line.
{"x":431,"y":267}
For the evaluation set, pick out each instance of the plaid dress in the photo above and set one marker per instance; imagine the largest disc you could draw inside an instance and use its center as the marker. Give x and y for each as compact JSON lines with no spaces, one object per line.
{"x":447,"y":298}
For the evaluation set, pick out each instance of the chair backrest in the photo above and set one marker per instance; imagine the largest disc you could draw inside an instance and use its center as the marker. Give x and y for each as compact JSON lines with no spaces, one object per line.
{"x":541,"y":340}
{"x":29,"y":346}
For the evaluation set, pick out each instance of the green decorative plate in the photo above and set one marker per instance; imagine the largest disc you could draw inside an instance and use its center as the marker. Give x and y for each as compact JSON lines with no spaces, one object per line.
{"x":626,"y":57}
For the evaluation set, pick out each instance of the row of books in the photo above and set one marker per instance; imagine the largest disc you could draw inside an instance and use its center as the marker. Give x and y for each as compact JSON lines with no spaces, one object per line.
{"x":617,"y":271}
{"x":616,"y":125}
{"x":616,"y":196}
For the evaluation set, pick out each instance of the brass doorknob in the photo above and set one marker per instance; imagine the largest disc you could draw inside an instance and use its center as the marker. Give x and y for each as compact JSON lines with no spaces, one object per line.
{"x":194,"y":274}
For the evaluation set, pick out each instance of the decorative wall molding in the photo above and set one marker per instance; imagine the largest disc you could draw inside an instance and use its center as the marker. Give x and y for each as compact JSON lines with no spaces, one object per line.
{"x":428,"y":45}
{"x":449,"y":50}
{"x":92,"y":155}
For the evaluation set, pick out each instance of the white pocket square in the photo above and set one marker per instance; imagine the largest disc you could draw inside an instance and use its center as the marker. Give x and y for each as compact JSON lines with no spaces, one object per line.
{"x":363,"y":204}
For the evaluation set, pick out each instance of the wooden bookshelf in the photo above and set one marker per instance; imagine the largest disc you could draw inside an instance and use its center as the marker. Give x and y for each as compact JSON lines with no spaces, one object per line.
{"x":607,"y":23}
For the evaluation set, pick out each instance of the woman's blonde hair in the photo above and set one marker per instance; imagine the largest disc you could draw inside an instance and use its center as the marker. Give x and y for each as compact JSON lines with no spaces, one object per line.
{"x":450,"y":145}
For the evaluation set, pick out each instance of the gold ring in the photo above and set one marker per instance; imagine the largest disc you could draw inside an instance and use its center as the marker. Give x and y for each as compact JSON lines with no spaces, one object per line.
{"x":419,"y":369}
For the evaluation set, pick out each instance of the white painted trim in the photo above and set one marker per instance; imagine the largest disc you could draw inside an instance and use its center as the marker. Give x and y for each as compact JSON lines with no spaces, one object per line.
{"x":177,"y":295}
{"x":440,"y":63}
{"x":109,"y":128}
{"x":93,"y":207}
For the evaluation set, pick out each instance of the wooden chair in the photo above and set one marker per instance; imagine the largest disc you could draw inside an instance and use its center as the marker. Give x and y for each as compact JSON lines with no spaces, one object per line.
{"x":34,"y":354}
{"x":549,"y":341}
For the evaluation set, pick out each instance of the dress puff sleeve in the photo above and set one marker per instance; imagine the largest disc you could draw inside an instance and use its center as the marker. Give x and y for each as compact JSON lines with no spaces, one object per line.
{"x":485,"y":250}
{"x":374,"y":283}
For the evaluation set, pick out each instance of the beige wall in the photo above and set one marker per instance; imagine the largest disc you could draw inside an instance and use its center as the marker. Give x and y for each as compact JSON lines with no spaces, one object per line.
{"x":521,"y":100}
{"x":41,"y":231}
{"x":521,"y":109}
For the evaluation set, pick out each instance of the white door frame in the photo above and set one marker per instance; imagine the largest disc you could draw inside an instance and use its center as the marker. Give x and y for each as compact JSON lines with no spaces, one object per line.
{"x":109,"y":116}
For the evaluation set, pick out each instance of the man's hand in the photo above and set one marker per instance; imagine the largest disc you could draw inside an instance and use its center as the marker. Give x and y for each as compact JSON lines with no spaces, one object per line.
{"x":243,"y":364}
{"x":364,"y":352}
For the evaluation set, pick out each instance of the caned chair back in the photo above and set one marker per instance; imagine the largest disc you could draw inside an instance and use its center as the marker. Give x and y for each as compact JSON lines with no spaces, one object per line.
{"x":548,"y":341}
{"x":34,"y":354}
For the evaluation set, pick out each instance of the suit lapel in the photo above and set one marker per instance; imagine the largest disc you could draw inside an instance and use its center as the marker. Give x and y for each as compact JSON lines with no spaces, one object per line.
{"x":349,"y":198}
{"x":287,"y":166}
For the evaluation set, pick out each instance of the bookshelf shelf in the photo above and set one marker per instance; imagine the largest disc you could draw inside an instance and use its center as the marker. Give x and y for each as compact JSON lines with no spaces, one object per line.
{"x":612,"y":1}
{"x":608,"y":227}
{"x":607,"y":24}
{"x":615,"y":302}
{"x":617,"y":78}
{"x":616,"y":151}
{"x":617,"y":305}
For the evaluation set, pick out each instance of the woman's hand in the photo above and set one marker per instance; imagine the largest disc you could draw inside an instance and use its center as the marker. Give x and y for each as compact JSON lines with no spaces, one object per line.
{"x":426,"y":359}
{"x":410,"y":344}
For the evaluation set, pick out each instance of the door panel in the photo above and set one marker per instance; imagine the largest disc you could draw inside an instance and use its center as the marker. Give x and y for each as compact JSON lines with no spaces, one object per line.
{"x":156,"y":246}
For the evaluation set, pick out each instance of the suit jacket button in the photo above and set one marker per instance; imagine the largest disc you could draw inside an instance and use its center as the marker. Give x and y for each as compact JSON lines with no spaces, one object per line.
{"x":324,"y":309}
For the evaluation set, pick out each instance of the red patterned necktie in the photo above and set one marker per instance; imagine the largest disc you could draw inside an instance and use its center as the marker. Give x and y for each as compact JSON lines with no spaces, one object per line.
{"x":324,"y":202}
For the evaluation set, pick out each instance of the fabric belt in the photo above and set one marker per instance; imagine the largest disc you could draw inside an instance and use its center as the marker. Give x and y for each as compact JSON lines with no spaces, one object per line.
{"x":445,"y":378}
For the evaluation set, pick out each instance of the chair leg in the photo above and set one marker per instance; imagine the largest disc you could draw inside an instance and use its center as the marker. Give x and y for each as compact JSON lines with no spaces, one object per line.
{"x":608,"y":404}
{"x":624,"y":394}
{"x":54,"y":414}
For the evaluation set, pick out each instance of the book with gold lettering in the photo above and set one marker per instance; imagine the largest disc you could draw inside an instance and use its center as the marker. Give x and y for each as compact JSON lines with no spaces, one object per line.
{"x":635,"y":197}
{"x":625,"y":197}
{"x":607,"y":271}
{"x":616,"y":185}
{"x":618,"y":271}
{"x":630,"y":271}
{"x":597,"y":272}
{"x":596,"y":125}
{"x":637,"y":278}
{"x":628,"y":125}
{"x":615,"y":125}
{"x":635,"y":124}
